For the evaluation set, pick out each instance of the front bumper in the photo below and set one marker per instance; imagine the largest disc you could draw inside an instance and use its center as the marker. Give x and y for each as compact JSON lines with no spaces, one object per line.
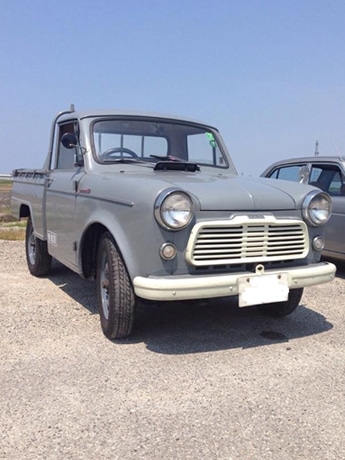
{"x":188,"y":287}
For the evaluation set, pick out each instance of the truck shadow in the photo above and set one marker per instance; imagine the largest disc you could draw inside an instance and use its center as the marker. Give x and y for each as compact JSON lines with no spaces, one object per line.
{"x":195,"y":327}
{"x":81,"y":290}
{"x":199,"y":326}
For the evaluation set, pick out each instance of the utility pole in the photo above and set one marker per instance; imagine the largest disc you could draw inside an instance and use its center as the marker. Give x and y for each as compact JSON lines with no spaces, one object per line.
{"x":317,"y":148}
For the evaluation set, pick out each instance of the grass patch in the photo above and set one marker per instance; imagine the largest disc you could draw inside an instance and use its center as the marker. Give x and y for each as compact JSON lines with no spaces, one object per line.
{"x":16,"y":224}
{"x":12,"y":233}
{"x":5,"y":213}
{"x":12,"y":230}
{"x":5,"y":184}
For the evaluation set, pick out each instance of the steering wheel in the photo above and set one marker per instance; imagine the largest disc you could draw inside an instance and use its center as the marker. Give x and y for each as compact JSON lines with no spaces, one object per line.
{"x":109,"y":152}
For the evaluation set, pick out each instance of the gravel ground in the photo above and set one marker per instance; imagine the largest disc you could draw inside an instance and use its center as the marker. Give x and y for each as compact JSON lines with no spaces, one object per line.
{"x":195,"y":381}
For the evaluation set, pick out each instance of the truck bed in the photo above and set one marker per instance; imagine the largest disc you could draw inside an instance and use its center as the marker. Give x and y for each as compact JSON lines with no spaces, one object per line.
{"x":28,"y":196}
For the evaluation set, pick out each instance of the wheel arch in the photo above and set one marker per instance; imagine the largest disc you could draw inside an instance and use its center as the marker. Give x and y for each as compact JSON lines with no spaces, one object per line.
{"x":88,"y":249}
{"x":89,"y":246}
{"x":25,"y":211}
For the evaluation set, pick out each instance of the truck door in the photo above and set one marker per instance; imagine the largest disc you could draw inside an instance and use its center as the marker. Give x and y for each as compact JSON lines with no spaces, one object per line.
{"x":61,"y":198}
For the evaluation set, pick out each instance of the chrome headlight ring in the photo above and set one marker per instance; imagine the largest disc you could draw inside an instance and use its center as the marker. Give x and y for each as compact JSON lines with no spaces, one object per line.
{"x":317,"y":208}
{"x":173,"y":209}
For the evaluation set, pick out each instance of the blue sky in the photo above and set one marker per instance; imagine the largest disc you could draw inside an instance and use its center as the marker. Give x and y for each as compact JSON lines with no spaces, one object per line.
{"x":269,"y":74}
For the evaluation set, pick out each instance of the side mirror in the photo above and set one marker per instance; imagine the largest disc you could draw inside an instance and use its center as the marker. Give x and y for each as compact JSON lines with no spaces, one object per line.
{"x":69,"y":140}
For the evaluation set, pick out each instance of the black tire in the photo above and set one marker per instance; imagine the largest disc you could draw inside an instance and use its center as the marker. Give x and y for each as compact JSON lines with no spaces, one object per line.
{"x":116,"y":298}
{"x":280,"y":309}
{"x":37,"y":256}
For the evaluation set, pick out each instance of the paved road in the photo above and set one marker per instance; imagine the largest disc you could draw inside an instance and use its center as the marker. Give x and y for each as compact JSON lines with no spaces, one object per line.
{"x":196,"y":381}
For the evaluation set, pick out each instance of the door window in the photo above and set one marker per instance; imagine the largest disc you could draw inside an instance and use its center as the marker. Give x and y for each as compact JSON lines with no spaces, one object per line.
{"x":292,"y":173}
{"x":66,"y":157}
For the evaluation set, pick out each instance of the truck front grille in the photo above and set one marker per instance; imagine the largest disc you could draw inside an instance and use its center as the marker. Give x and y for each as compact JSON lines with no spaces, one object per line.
{"x":247,"y":240}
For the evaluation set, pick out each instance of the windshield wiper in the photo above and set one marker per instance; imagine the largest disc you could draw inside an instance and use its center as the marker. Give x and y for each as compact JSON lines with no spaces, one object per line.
{"x":168,"y":158}
{"x":123,"y":160}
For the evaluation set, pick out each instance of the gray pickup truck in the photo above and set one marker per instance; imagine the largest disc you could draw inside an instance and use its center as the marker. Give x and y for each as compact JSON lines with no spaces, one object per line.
{"x":151,"y":207}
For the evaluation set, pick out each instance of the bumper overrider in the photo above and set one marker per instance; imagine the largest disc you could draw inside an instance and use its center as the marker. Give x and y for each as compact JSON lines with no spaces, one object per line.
{"x":188,"y":287}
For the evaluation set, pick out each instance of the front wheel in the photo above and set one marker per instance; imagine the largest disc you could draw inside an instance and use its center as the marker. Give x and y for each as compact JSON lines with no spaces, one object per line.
{"x":116,"y":298}
{"x":280,"y":309}
{"x":37,"y":256}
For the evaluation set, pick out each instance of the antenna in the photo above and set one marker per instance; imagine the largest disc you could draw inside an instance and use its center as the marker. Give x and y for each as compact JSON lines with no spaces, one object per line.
{"x":336,"y":147}
{"x":316,"y":148}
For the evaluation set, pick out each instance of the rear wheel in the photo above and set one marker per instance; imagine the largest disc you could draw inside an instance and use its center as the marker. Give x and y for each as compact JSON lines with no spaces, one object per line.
{"x":116,"y":298}
{"x":37,"y":256}
{"x":280,"y":309}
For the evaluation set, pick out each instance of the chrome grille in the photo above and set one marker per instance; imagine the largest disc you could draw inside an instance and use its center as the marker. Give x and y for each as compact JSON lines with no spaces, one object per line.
{"x":252,"y":240}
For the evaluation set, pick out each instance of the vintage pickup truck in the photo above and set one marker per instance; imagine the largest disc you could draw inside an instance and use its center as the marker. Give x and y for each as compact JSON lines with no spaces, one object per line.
{"x":151,"y":207}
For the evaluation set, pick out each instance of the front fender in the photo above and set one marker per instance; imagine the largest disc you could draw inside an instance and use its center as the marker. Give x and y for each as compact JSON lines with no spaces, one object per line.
{"x":135,"y":233}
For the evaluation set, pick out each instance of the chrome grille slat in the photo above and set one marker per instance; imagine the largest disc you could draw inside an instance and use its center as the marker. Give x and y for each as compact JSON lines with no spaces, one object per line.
{"x":252,"y":241}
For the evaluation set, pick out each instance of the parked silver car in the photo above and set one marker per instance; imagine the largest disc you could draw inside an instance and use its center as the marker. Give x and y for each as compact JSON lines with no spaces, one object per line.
{"x":328,"y":174}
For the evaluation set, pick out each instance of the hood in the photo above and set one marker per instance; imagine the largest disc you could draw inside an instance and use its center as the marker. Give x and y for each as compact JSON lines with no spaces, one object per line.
{"x":214,"y":192}
{"x":225,"y":192}
{"x":238,"y":193}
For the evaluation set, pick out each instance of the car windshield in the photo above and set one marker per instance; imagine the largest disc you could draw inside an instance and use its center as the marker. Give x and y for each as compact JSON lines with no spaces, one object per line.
{"x":154,"y":141}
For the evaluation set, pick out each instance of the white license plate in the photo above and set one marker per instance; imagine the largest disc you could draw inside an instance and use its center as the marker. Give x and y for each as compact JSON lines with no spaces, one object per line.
{"x":259,"y":289}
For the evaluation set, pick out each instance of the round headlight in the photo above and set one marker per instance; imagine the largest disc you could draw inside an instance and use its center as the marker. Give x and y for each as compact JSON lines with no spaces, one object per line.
{"x":174,"y":210}
{"x":317,"y":208}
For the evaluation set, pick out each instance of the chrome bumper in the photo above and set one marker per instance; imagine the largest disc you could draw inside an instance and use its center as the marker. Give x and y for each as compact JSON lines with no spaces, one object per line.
{"x":186,"y":287}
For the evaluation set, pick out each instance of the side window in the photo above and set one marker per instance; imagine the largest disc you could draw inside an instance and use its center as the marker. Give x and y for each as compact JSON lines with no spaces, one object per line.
{"x":315,"y":174}
{"x":335,"y":187}
{"x":66,"y":157}
{"x":292,"y":173}
{"x":274,"y":174}
{"x":328,"y":178}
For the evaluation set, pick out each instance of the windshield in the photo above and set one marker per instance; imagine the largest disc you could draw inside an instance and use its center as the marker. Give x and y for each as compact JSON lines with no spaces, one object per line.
{"x":154,"y":141}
